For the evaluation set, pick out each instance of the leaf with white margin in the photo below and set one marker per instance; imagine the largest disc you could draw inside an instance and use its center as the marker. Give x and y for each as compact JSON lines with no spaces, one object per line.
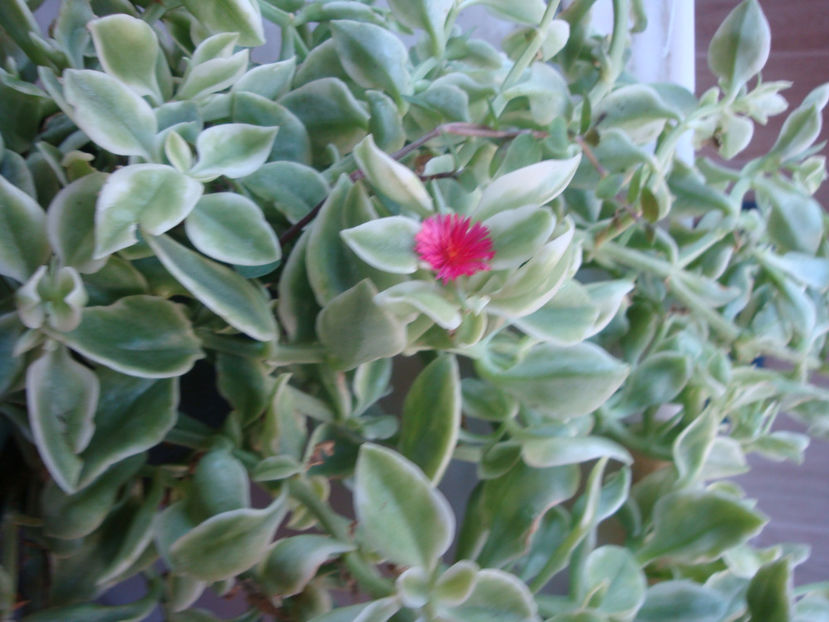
{"x":213,"y":75}
{"x":292,"y":562}
{"x":498,"y":596}
{"x":140,"y":336}
{"x":229,"y":295}
{"x":614,"y":573}
{"x":70,"y":223}
{"x":385,"y":243}
{"x":111,"y":114}
{"x":430,"y":15}
{"x":128,"y":50}
{"x":534,"y":184}
{"x":561,"y":450}
{"x":228,"y":543}
{"x":231,"y":228}
{"x":518,"y":234}
{"x":233,"y":150}
{"x":740,"y":46}
{"x":391,"y":178}
{"x":400,"y":513}
{"x":23,"y":243}
{"x":242,"y":16}
{"x":432,"y":417}
{"x":61,"y":395}
{"x":271,"y":81}
{"x":426,"y":297}
{"x":155,"y":196}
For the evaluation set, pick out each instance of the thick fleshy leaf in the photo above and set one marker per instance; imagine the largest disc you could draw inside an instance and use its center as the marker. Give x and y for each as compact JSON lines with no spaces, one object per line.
{"x":138,"y":335}
{"x":497,"y":597}
{"x":241,"y":16}
{"x":292,"y":141}
{"x":561,"y":382}
{"x":391,"y":178}
{"x":796,"y":220}
{"x":11,"y":366}
{"x":426,"y":297}
{"x":681,"y":601}
{"x":657,"y":380}
{"x":431,"y":417}
{"x":79,"y":514}
{"x":535,"y":184}
{"x":561,"y":450}
{"x":329,"y":112}
{"x":23,"y":242}
{"x":134,"y":415}
{"x":293,"y":562}
{"x":70,"y":223}
{"x":400,"y":513}
{"x":61,"y":395}
{"x":692,"y":525}
{"x":429,"y":15}
{"x":245,"y":383}
{"x":228,"y":543}
{"x":220,"y":289}
{"x":741,"y":45}
{"x":769,"y":594}
{"x":385,"y":243}
{"x":128,"y":50}
{"x":154,"y":196}
{"x":220,"y":484}
{"x":372,"y":56}
{"x":294,"y":188}
{"x":799,"y":131}
{"x":110,"y":113}
{"x":231,"y":228}
{"x":357,"y":330}
{"x":509,"y":508}
{"x":692,"y":446}
{"x":233,"y":150}
{"x":614,"y":572}
{"x":271,"y":80}
{"x":213,"y":75}
{"x":518,"y":234}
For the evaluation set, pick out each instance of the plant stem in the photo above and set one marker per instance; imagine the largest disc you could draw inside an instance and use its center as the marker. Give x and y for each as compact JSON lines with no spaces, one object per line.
{"x":364,"y":572}
{"x":613,"y":66}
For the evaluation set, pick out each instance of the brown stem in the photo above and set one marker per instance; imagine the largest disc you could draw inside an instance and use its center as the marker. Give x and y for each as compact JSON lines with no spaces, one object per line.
{"x":588,"y":153}
{"x":455,"y":129}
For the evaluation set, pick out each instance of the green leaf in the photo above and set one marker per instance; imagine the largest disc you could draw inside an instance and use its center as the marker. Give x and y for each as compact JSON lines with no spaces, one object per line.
{"x":431,"y":417}
{"x":230,"y":296}
{"x":400,"y":513}
{"x":429,"y":15}
{"x":535,"y":184}
{"x":245,"y":383}
{"x":70,"y":223}
{"x":426,"y":297}
{"x":497,"y":597}
{"x":769,"y":594}
{"x":385,"y":243}
{"x":154,"y":196}
{"x":79,"y":514}
{"x":233,"y":150}
{"x":796,"y":219}
{"x":329,"y":112}
{"x":357,"y":330}
{"x":231,"y":228}
{"x":656,"y":381}
{"x":110,"y":113}
{"x":613,"y":572}
{"x":740,"y":47}
{"x":518,"y":234}
{"x":292,"y":562}
{"x":61,"y":396}
{"x":23,"y":107}
{"x":23,"y":243}
{"x":456,"y":584}
{"x":70,"y":30}
{"x":133,"y":415}
{"x":484,"y":401}
{"x":241,"y":16}
{"x":681,"y":601}
{"x":11,"y":365}
{"x":696,"y":525}
{"x":561,"y":382}
{"x":274,"y":468}
{"x":692,"y":446}
{"x":561,"y":450}
{"x":637,"y":110}
{"x":128,"y":50}
{"x":510,"y":507}
{"x":392,"y":179}
{"x":227,"y":544}
{"x":140,"y":336}
{"x":213,"y":75}
{"x":220,"y":484}
{"x":271,"y":80}
{"x":293,"y":188}
{"x":799,"y":131}
{"x":135,"y":611}
{"x":372,"y":56}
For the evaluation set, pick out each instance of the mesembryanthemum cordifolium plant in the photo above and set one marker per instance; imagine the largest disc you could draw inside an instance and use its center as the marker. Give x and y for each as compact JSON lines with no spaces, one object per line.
{"x":581,"y":299}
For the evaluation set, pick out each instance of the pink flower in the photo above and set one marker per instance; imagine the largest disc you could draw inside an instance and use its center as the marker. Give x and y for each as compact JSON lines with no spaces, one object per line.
{"x":454,"y":246}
